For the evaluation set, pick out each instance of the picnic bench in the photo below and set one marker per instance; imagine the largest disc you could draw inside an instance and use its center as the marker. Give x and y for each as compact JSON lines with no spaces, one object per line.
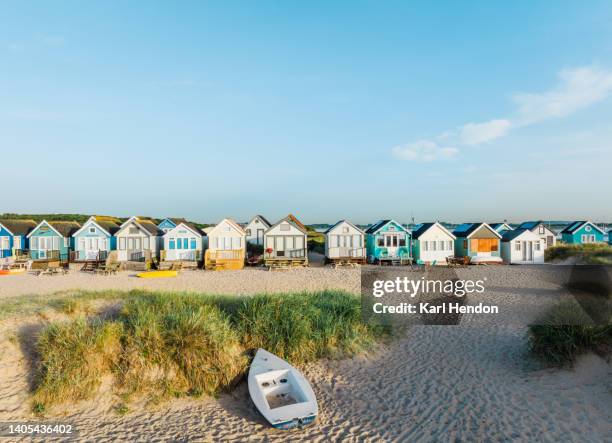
{"x":108,"y":269}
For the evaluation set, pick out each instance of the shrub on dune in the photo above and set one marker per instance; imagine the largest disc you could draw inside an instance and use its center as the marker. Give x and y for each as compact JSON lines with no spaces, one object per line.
{"x":73,"y":357}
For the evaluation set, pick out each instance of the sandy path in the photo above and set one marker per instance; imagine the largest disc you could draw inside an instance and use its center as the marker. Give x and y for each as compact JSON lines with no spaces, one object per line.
{"x":472,"y":382}
{"x":246,"y":281}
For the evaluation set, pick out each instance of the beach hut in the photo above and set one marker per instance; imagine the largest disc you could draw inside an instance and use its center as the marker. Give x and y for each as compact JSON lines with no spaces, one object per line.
{"x":522,"y":246}
{"x":345,"y":243}
{"x":544,"y":232}
{"x":52,"y":240}
{"x":13,"y":237}
{"x":95,"y":239}
{"x":432,"y":242}
{"x":478,"y":241}
{"x":182,"y":243}
{"x":286,"y":243}
{"x":256,"y":229}
{"x":138,"y":240}
{"x":610,"y":237}
{"x":388,"y":242}
{"x":168,"y":224}
{"x":226,"y":246}
{"x":501,"y":227}
{"x":582,"y":232}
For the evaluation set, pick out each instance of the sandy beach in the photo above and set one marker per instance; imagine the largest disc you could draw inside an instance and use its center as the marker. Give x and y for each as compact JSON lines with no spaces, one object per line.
{"x":472,"y":382}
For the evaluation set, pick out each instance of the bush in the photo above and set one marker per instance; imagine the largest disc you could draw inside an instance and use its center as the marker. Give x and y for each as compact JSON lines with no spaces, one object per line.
{"x":164,"y":345}
{"x":179,"y":345}
{"x":304,"y":327}
{"x":72,"y":359}
{"x":594,"y":253}
{"x":565,"y":332}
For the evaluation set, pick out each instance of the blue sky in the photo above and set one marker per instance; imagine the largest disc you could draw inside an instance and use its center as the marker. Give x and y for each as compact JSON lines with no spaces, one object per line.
{"x":453,"y":111}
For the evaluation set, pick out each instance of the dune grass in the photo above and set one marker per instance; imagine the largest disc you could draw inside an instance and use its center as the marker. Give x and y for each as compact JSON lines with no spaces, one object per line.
{"x":73,"y":358}
{"x":594,"y":254}
{"x":173,"y":344}
{"x":565,"y":332}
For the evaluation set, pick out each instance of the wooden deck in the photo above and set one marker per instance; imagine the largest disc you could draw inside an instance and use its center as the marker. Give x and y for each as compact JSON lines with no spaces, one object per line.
{"x":220,"y":260}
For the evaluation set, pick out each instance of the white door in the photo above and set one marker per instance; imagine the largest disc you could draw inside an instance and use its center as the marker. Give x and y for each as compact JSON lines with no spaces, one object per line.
{"x":260,"y":236}
{"x":43,"y":247}
{"x":91,"y":248}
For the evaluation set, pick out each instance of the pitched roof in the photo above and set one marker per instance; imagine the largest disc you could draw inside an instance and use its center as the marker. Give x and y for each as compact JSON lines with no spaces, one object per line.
{"x":293,"y":219}
{"x":188,"y":226}
{"x":467,"y":229}
{"x":379,"y":224}
{"x":65,"y":228}
{"x":263,"y":218}
{"x":150,"y":226}
{"x":422,"y":228}
{"x":340,"y":222}
{"x":496,"y":226}
{"x":511,"y":235}
{"x":108,"y":226}
{"x":573,"y":227}
{"x":529,"y":224}
{"x":18,"y":227}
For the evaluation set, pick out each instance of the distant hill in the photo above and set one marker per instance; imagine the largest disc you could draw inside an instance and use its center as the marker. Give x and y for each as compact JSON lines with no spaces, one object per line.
{"x":82,"y":218}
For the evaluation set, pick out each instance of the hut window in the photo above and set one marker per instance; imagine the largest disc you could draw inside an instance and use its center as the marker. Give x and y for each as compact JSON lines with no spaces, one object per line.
{"x":17,"y":242}
{"x":381,"y":242}
{"x":450,"y":245}
{"x":133,"y":230}
{"x":172,"y":246}
{"x":465,"y":244}
{"x":425,"y":245}
{"x":517,"y":246}
{"x":248,"y":232}
{"x":441,"y":243}
{"x":193,"y":243}
{"x":537,"y":246}
{"x":92,"y":230}
{"x":345,"y":229}
{"x":433,"y":245}
{"x":4,"y":244}
{"x":402,"y":241}
{"x":284,"y":227}
{"x":541,"y":229}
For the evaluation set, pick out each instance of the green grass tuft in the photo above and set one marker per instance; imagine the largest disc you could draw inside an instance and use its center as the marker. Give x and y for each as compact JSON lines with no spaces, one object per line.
{"x":565,"y":332}
{"x":166,"y":345}
{"x":73,"y":358}
{"x":595,"y":253}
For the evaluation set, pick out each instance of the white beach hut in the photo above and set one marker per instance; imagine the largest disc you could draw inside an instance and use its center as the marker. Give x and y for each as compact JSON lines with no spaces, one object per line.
{"x":226,"y":246}
{"x":138,"y":240}
{"x":286,"y":243}
{"x":182,"y":243}
{"x":522,"y":246}
{"x":345,"y":242}
{"x":256,"y":229}
{"x":432,"y":242}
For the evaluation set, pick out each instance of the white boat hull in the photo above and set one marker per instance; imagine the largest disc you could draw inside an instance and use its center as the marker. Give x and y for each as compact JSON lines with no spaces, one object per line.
{"x":280,"y":392}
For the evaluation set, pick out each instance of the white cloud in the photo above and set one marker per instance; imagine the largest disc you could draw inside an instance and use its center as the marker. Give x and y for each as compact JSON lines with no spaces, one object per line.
{"x":476,"y":133}
{"x":423,"y":150}
{"x":578,"y":89}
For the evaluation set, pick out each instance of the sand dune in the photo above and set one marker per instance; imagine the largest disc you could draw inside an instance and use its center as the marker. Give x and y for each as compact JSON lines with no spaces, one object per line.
{"x":471,"y":382}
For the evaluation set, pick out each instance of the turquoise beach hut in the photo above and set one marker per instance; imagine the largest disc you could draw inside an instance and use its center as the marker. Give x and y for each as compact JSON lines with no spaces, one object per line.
{"x":13,"y":234}
{"x":52,"y":240}
{"x":388,"y":242}
{"x":610,"y":237}
{"x":582,"y":232}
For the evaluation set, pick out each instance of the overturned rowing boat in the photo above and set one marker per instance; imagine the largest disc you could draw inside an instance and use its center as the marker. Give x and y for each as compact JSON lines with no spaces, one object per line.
{"x":280,"y":392}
